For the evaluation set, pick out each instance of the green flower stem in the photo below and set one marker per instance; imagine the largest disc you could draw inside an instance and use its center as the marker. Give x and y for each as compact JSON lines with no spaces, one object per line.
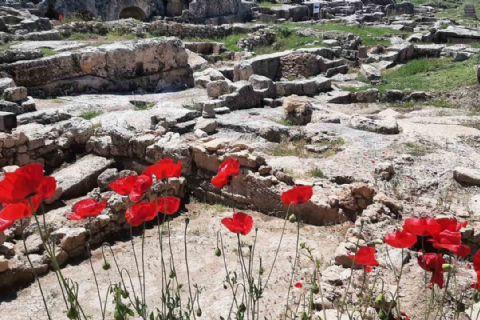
{"x":173,"y":263}
{"x":33,"y":270}
{"x":293,"y":268}
{"x":51,"y":255}
{"x":278,"y":248}
{"x":188,"y":269}
{"x":244,"y":275}
{"x":93,"y":270}
{"x":143,"y":272}
{"x":342,"y":305}
{"x":136,"y":264}
{"x":234,"y":291}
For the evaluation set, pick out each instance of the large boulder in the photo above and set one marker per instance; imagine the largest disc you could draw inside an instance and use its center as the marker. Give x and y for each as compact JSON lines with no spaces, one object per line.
{"x":467,"y":175}
{"x":297,"y":110}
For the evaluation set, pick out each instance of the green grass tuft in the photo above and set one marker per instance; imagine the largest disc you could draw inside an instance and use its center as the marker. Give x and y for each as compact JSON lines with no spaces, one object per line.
{"x":47,"y":52}
{"x":90,"y":114}
{"x":266,"y":4}
{"x":317,"y":173}
{"x":285,"y":122}
{"x":141,"y":105}
{"x":428,"y":75}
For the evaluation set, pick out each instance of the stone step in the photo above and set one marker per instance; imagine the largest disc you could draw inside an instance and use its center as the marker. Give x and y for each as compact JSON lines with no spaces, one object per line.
{"x":79,"y":178}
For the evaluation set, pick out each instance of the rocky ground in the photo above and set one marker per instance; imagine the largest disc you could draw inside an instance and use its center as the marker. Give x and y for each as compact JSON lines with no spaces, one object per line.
{"x":375,"y":106}
{"x":206,"y":268}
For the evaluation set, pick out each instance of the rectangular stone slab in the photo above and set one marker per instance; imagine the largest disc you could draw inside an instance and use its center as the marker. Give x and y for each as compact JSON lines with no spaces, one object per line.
{"x":79,"y":178}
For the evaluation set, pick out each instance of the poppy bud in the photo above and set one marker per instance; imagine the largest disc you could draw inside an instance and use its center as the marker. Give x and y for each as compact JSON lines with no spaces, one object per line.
{"x":448,"y":267}
{"x":380,"y":299}
{"x":382,"y":314}
{"x":72,"y":313}
{"x":199,"y":312}
{"x":218,"y":252}
{"x":106,"y":266}
{"x":187,"y":221}
{"x":292,"y":218}
{"x":261,"y":271}
{"x":315,"y":288}
{"x":225,"y":286}
{"x":460,"y":307}
{"x":172,"y":274}
{"x":125,"y":294}
{"x":476,"y":296}
{"x":242,"y":308}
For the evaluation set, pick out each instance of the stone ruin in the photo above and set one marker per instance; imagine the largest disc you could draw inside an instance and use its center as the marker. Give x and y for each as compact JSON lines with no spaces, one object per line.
{"x":240,"y":103}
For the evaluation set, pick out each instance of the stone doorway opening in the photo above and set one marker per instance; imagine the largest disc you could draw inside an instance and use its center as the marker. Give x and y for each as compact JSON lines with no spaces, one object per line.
{"x":133,"y":12}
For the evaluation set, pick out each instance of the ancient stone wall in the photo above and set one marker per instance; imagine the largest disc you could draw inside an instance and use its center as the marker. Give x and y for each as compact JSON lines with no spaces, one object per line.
{"x":123,"y":66}
{"x":185,"y":30}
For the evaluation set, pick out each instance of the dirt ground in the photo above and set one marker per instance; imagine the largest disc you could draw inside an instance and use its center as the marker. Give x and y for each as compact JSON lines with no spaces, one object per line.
{"x":207,"y":270}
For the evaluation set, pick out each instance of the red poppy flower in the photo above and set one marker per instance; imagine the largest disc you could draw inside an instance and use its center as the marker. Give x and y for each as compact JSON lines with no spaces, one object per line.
{"x":451,"y":224}
{"x":422,"y":227}
{"x":365,"y":256}
{"x":400,"y":239}
{"x":141,"y":212}
{"x":165,"y":169}
{"x":168,"y":205}
{"x":433,"y":262}
{"x":228,"y":168}
{"x":240,"y":223}
{"x":297,"y":195}
{"x":220,"y":180}
{"x":86,"y":208}
{"x":133,"y":186}
{"x":298,"y":285}
{"x":20,"y":210}
{"x":451,"y":241}
{"x":5,"y":224}
{"x":476,"y":285}
{"x":476,"y":261}
{"x":25,"y":182}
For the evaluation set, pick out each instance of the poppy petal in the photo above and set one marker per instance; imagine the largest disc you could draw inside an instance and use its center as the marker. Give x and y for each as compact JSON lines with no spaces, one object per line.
{"x":297,"y":195}
{"x":18,"y":185}
{"x":168,"y":205}
{"x":123,"y":186}
{"x":5,"y":224}
{"x":220,"y":180}
{"x":240,"y":223}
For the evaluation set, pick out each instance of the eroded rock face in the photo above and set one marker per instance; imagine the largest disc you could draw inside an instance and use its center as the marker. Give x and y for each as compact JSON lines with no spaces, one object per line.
{"x":212,"y":11}
{"x":141,"y":9}
{"x":122,"y":66}
{"x":21,"y":21}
